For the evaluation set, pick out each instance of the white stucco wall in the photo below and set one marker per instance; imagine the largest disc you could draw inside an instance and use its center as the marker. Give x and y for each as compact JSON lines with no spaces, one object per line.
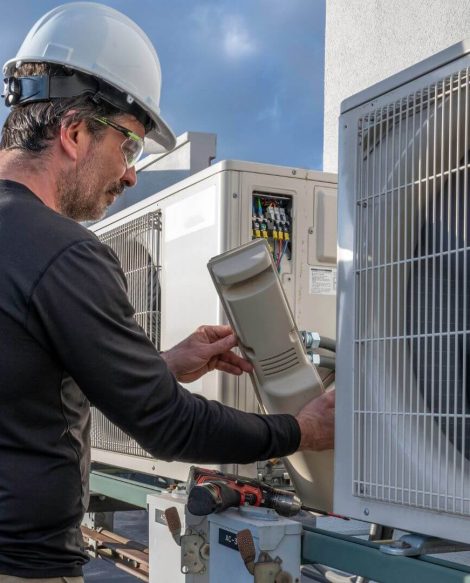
{"x":369,"y":40}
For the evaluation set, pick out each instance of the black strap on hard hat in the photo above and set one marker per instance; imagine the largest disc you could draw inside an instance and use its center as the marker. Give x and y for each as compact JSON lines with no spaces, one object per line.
{"x":29,"y":89}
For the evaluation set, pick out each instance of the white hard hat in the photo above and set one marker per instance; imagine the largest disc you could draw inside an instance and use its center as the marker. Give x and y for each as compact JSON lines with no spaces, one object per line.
{"x":103,"y":43}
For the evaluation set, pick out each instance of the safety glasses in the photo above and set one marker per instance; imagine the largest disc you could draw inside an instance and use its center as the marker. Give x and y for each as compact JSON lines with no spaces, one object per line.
{"x":132,"y":147}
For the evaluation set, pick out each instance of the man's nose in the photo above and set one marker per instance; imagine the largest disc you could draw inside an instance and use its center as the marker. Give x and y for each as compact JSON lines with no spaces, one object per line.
{"x":129,"y":178}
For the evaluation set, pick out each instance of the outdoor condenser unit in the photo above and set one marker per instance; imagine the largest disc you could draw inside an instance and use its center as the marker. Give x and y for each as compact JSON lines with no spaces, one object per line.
{"x":164,"y":243}
{"x":403,"y":410}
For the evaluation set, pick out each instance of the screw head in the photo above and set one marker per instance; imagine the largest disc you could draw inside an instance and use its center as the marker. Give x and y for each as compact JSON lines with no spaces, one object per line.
{"x":400,"y":544}
{"x":234,"y":195}
{"x":366,"y":511}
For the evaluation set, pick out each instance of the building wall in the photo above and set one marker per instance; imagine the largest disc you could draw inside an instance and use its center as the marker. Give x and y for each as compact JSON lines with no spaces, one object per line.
{"x":369,"y":40}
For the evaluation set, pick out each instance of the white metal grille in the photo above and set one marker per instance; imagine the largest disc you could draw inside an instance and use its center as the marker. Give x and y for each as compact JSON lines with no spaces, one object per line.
{"x":137,"y":245}
{"x":412,"y":312}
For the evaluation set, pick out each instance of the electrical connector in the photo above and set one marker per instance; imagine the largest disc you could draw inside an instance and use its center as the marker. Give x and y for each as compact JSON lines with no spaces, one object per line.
{"x":310,"y":339}
{"x":256,"y":229}
{"x":313,"y":340}
{"x":322,"y":361}
{"x":314,"y":358}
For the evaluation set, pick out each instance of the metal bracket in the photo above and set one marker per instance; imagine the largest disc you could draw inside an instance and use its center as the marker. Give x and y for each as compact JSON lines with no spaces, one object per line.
{"x":268,"y":570}
{"x":194,"y":553}
{"x":412,"y":545}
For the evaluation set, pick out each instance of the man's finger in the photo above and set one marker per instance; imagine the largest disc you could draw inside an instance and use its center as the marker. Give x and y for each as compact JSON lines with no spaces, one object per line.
{"x":222,"y":345}
{"x":330,"y":398}
{"x":229,"y":368}
{"x":217,"y":331}
{"x":237,"y":361}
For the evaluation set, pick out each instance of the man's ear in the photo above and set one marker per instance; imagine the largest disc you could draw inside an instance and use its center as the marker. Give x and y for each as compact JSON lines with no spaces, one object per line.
{"x":72,"y":137}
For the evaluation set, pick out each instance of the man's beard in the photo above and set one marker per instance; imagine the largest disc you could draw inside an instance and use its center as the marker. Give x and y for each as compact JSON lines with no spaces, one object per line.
{"x":81,"y":196}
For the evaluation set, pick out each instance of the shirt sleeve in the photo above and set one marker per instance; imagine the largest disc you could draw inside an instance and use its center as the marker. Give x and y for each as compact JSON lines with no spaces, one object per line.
{"x":80,"y":313}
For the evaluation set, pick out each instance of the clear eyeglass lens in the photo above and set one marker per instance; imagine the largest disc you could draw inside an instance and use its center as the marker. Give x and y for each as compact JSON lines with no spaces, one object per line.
{"x":132,"y":150}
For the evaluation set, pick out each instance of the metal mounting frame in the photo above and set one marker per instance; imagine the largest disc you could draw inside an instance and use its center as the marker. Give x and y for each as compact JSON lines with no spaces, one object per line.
{"x":365,"y":558}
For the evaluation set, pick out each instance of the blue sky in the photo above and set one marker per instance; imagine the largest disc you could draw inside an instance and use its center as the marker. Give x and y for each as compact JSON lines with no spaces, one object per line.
{"x":250,"y":71}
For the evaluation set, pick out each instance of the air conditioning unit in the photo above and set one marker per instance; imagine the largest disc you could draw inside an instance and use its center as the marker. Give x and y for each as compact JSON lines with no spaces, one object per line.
{"x":164,"y":243}
{"x":403,"y":380}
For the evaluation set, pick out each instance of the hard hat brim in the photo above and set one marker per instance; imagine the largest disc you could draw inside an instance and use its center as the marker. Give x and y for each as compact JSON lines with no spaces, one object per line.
{"x":160,"y":138}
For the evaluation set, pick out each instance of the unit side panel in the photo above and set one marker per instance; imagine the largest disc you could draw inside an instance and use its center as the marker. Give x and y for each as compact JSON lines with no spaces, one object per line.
{"x":192,"y":232}
{"x":345,"y":372}
{"x":315,"y":229}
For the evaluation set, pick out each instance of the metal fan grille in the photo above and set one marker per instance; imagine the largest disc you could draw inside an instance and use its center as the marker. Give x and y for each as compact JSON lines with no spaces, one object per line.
{"x":412,"y":311}
{"x":137,"y":244}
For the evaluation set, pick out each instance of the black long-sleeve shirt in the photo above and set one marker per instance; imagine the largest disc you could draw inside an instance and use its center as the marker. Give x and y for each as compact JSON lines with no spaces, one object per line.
{"x":65,"y":323}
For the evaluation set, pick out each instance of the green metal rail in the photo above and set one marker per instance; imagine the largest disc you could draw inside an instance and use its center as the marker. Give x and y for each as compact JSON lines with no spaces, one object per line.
{"x":129,"y":491}
{"x":364,"y":558}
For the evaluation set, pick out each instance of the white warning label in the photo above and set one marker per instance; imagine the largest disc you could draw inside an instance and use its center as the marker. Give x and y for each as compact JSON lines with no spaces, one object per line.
{"x":323,"y":280}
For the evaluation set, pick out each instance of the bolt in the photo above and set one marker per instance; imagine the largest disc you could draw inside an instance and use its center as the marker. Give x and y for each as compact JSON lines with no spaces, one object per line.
{"x":366,"y":511}
{"x":310,"y":230}
{"x":400,"y":544}
{"x":234,"y":195}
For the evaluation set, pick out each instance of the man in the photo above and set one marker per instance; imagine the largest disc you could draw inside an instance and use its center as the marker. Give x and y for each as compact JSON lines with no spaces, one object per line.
{"x":84,"y":91}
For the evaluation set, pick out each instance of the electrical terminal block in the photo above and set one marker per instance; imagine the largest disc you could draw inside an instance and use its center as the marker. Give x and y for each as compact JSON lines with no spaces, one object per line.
{"x":256,"y":229}
{"x":264,"y":229}
{"x":271,"y":220}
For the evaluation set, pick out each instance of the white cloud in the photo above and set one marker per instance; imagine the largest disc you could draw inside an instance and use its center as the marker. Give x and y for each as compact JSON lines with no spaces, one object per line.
{"x":226,"y":31}
{"x":237,"y":41}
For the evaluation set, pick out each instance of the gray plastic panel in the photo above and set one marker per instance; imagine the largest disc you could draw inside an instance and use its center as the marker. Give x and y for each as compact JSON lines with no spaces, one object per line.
{"x":283,"y":377}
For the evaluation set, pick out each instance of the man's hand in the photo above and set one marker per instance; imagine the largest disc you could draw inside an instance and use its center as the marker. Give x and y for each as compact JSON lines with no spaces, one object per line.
{"x":317,"y":423}
{"x":206,"y":349}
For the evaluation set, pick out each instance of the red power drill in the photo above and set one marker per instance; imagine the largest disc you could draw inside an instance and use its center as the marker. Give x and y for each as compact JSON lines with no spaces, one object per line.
{"x":212,"y":491}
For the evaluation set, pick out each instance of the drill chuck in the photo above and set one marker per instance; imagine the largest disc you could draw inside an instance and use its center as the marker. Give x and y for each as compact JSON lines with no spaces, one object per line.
{"x":284,"y":503}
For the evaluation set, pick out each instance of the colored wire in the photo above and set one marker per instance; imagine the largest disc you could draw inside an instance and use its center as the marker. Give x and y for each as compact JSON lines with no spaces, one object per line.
{"x":281,"y":255}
